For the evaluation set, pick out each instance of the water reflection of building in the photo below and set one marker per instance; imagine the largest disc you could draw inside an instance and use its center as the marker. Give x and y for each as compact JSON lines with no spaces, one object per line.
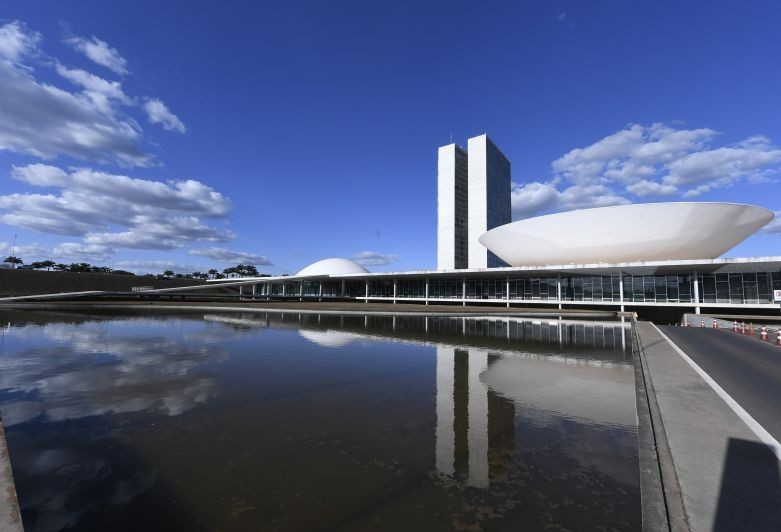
{"x":475,"y":426}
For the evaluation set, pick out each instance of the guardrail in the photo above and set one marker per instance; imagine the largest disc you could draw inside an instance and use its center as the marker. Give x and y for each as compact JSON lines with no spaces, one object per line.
{"x":142,"y":288}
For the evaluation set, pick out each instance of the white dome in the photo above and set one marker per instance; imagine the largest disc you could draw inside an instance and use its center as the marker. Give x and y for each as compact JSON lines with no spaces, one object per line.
{"x":332,"y":267}
{"x":627,"y":233}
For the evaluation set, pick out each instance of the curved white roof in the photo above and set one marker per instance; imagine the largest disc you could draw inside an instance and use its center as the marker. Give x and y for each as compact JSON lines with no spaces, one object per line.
{"x":627,"y":233}
{"x":332,"y":267}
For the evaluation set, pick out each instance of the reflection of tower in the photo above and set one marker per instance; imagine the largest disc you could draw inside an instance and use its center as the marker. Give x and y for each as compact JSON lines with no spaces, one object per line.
{"x":473,"y":423}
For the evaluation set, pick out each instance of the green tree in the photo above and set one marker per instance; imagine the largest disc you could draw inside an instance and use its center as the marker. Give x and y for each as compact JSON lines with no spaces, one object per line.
{"x":48,"y":264}
{"x":13,"y":260}
{"x":36,"y":265}
{"x":168,"y":273}
{"x":61,"y":267}
{"x":213,"y":273}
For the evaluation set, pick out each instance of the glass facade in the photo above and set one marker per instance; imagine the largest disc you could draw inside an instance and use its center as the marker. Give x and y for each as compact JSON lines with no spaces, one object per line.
{"x":713,"y":288}
{"x":498,"y":195}
{"x":461,"y":210}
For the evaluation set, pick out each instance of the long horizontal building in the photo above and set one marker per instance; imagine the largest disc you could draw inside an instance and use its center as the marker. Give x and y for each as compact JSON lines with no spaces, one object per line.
{"x":745,"y":284}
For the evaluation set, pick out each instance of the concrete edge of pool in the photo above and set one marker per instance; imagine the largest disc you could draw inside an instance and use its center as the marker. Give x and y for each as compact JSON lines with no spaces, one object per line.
{"x":660,"y":495}
{"x":10,"y":518}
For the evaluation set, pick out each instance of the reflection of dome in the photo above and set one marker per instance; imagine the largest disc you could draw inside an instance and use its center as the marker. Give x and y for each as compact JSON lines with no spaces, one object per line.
{"x":332,"y":267}
{"x":626,"y":233}
{"x":571,"y":390}
{"x":328,"y":338}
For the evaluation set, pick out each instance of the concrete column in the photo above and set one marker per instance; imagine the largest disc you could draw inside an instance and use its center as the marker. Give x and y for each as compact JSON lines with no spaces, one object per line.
{"x":321,"y":291}
{"x":343,"y":294}
{"x":301,"y":291}
{"x":621,"y":289}
{"x":558,"y":289}
{"x":507,"y":294}
{"x":394,"y":292}
{"x":283,"y":288}
{"x":367,"y":291}
{"x":463,"y":290}
{"x":254,"y":290}
{"x":427,"y":293}
{"x":696,"y":294}
{"x":241,"y":290}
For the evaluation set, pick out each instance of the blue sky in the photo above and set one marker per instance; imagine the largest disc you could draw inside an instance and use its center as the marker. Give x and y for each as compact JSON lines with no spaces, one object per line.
{"x":201,"y":134}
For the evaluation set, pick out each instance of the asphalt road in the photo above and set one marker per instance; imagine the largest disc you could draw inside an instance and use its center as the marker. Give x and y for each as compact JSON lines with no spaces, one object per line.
{"x":749,"y":370}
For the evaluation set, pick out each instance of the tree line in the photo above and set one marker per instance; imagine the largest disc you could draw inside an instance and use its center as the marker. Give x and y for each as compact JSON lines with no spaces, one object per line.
{"x":240,"y":270}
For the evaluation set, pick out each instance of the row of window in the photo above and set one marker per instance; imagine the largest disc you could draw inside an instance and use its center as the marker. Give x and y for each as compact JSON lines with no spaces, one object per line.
{"x":754,"y":287}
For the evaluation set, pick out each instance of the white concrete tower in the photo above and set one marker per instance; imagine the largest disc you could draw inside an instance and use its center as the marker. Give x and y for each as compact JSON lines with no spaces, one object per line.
{"x":452,"y":208}
{"x":489,"y":198}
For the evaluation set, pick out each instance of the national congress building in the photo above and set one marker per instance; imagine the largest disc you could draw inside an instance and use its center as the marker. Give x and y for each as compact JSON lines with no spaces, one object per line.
{"x":655,"y":257}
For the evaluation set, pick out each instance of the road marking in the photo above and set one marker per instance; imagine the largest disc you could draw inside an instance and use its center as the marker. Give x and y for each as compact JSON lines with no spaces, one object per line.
{"x":752,"y":423}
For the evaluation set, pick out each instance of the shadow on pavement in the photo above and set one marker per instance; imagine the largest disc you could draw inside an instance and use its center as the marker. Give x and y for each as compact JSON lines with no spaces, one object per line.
{"x":750,"y":496}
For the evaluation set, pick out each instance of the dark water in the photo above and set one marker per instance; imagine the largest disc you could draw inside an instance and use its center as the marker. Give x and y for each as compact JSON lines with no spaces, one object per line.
{"x":309,"y":422}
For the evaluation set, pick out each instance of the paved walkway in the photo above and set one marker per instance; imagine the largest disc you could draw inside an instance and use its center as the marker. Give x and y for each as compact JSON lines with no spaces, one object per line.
{"x":728,"y":478}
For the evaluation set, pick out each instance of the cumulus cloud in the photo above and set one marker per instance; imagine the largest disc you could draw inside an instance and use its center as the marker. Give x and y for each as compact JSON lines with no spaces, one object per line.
{"x":533,"y":198}
{"x":101,"y":92}
{"x":158,"y":113}
{"x":79,"y":252}
{"x":17,"y":42}
{"x":91,"y":122}
{"x":44,"y":121}
{"x":372,"y":258}
{"x":27,"y":252}
{"x":100,"y":52}
{"x":646,"y":161}
{"x":153,"y":266}
{"x":774,"y":226}
{"x":109,"y":210}
{"x":230,"y":256}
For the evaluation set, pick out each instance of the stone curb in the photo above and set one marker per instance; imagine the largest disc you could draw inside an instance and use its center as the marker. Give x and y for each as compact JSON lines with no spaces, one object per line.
{"x":661,"y":499}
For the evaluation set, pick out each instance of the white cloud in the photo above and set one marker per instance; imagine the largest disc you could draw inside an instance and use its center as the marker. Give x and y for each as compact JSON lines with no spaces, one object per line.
{"x":153,"y":266}
{"x":372,"y":258}
{"x":111,"y":210}
{"x":774,"y":226}
{"x":100,"y":52}
{"x":101,"y":92}
{"x":230,"y":256}
{"x":82,"y":253}
{"x":158,"y":113}
{"x":646,"y":161}
{"x":44,"y":121}
{"x":644,"y":188}
{"x":17,"y":42}
{"x":533,"y":198}
{"x":27,"y":252}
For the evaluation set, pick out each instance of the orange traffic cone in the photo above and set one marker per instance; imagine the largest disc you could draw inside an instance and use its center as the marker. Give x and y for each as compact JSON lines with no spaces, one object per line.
{"x":763,"y":333}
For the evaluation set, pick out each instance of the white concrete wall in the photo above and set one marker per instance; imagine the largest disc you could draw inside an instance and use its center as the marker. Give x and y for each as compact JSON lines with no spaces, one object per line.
{"x":446,"y":205}
{"x":478,"y":201}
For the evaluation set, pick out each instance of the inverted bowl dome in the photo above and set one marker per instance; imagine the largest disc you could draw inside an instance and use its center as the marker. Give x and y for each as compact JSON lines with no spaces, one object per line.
{"x":626,"y":233}
{"x":332,"y":267}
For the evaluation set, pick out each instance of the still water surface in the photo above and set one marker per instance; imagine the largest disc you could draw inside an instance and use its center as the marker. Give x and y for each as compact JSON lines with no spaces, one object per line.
{"x":257,"y":421}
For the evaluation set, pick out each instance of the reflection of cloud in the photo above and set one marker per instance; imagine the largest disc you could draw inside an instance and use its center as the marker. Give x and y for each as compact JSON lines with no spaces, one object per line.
{"x":99,"y":373}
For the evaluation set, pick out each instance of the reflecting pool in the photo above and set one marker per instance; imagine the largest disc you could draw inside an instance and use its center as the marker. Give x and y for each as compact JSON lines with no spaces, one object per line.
{"x":264,"y":421}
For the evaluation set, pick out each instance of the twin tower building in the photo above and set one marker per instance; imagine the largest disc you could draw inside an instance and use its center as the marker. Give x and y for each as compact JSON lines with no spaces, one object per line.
{"x":473,"y":196}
